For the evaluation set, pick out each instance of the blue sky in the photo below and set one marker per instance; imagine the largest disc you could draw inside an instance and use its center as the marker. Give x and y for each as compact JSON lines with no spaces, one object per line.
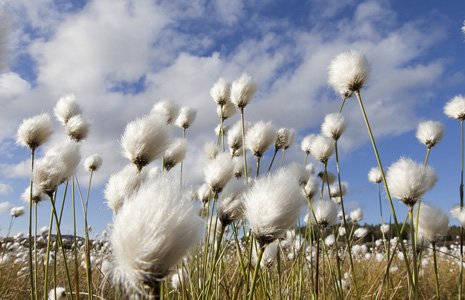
{"x":120,"y":57}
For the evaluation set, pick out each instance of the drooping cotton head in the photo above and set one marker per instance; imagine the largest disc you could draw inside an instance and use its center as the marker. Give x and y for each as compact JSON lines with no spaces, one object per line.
{"x":307,"y":142}
{"x":408,"y":180}
{"x":260,"y":137}
{"x":186,"y":117}
{"x":93,"y":162}
{"x":163,"y":228}
{"x":167,"y":110}
{"x":429,"y":133}
{"x":231,"y":202}
{"x":333,"y":126}
{"x":322,"y":148}
{"x":204,"y":193}
{"x":272,"y":205}
{"x":66,"y":108}
{"x":375,"y":175}
{"x":235,"y":137}
{"x":17,"y":212}
{"x":77,"y":128}
{"x":348,"y":73}
{"x":459,"y":214}
{"x":175,"y":153}
{"x":48,"y":174}
{"x":311,"y":187}
{"x":324,"y":213}
{"x":37,"y":195}
{"x":144,"y":140}
{"x":433,"y":223}
{"x":455,"y":108}
{"x":356,"y":215}
{"x":35,"y":131}
{"x":60,"y":293}
{"x":226,"y":111}
{"x":122,"y":185}
{"x":218,"y":172}
{"x":242,"y":90}
{"x":337,"y":191}
{"x":211,"y":150}
{"x":69,"y":153}
{"x":221,"y":92}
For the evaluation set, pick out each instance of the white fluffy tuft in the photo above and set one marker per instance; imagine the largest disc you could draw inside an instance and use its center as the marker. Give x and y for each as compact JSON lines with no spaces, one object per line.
{"x":175,"y":153}
{"x":333,"y":126}
{"x":218,"y":172}
{"x":234,"y":137}
{"x":221,"y":92}
{"x":348,"y":72}
{"x":210,"y":150}
{"x":144,"y":140}
{"x":35,"y":131}
{"x":77,"y":128}
{"x":242,"y":90}
{"x":459,"y":214}
{"x":66,"y":108}
{"x":306,"y":143}
{"x":260,"y":137}
{"x":311,"y":187}
{"x":324,"y":213}
{"x":93,"y":162}
{"x":166,"y":109}
{"x":163,"y":228}
{"x":433,"y":223}
{"x":37,"y":195}
{"x":231,"y":202}
{"x":16,"y":212}
{"x":455,"y":108}
{"x":322,"y":148}
{"x":429,"y":133}
{"x":70,"y":155}
{"x":186,"y":117}
{"x":374,"y":175}
{"x":226,"y":111}
{"x":59,"y":291}
{"x":408,"y":180}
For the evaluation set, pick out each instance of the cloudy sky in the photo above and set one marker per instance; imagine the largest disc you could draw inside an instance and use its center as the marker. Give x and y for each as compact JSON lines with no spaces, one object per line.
{"x":119,"y":57}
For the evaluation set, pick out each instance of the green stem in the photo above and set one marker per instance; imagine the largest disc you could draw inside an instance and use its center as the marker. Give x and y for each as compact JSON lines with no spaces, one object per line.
{"x":47,"y":253}
{"x":461,"y":207}
{"x":436,"y":270}
{"x":282,"y":157}
{"x":258,"y":167}
{"x":386,"y":187}
{"x":272,"y":159}
{"x":31,"y":275}
{"x":255,"y":274}
{"x":244,"y":152}
{"x":87,"y":241}
{"x":76,"y":263}
{"x":342,"y":104}
{"x":414,"y":253}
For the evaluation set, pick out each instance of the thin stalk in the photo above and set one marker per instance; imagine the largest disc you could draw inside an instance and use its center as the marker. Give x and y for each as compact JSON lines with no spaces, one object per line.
{"x":436,"y":270}
{"x":10,"y":226}
{"x":31,"y":275}
{"x":414,"y":253}
{"x":222,"y":132}
{"x":47,"y":254}
{"x":258,"y":167}
{"x":380,"y":203}
{"x":87,"y":242}
{"x":255,"y":274}
{"x":461,"y":207}
{"x":386,"y":187}
{"x":282,"y":157}
{"x":317,"y":267}
{"x":348,"y":240}
{"x":306,"y":158}
{"x":36,"y":260}
{"x":76,"y":264}
{"x":342,"y":104}
{"x":272,"y":159}
{"x":182,"y":161}
{"x":215,"y":261}
{"x":244,"y":152}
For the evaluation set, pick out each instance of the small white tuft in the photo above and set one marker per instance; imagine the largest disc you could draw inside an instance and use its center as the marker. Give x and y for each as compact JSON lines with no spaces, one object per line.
{"x":204,"y":193}
{"x":311,"y":188}
{"x":226,"y":111}
{"x":218,"y":172}
{"x":211,"y":150}
{"x":360,"y":232}
{"x":269,"y":255}
{"x":168,"y":110}
{"x":16,"y":212}
{"x":175,"y":153}
{"x":272,"y":205}
{"x":375,"y":175}
{"x":37,"y":195}
{"x":433,"y":223}
{"x":306,"y":143}
{"x":333,"y":126}
{"x":35,"y":131}
{"x":221,"y":92}
{"x":455,"y":108}
{"x":235,"y":137}
{"x":242,"y":90}
{"x":459,"y":214}
{"x":144,"y":140}
{"x":282,"y":138}
{"x":260,"y":137}
{"x":66,"y":108}
{"x":322,"y":148}
{"x":385,"y":228}
{"x":59,"y":292}
{"x":93,"y":162}
{"x":231,"y":202}
{"x":429,"y":133}
{"x":408,"y":180}
{"x":239,"y":167}
{"x":348,"y":73}
{"x":338,"y":192}
{"x":163,"y":228}
{"x":69,"y":154}
{"x":300,"y":173}
{"x":324,"y":213}
{"x":186,"y":117}
{"x":123,"y":185}
{"x":356,"y":215}
{"x":77,"y":128}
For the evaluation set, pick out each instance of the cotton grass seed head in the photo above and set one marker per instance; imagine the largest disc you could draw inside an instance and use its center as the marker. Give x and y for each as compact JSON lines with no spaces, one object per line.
{"x":239,"y":167}
{"x":69,"y":153}
{"x":300,"y":173}
{"x":221,"y":92}
{"x":204,"y":193}
{"x":337,"y":191}
{"x":66,"y":108}
{"x":37,"y":195}
{"x":48,"y":174}
{"x":260,"y":137}
{"x":210,"y":150}
{"x":429,"y":133}
{"x":375,"y":175}
{"x":144,"y":140}
{"x":122,"y":185}
{"x":175,"y":153}
{"x":77,"y":128}
{"x":218,"y":172}
{"x":231,"y":202}
{"x":272,"y":205}
{"x":459,"y":213}
{"x":60,"y":293}
{"x":433,"y":223}
{"x":242,"y":90}
{"x":455,"y":108}
{"x":282,"y":137}
{"x":93,"y":162}
{"x":167,"y":110}
{"x":35,"y":131}
{"x":226,"y":111}
{"x":234,"y":137}
{"x":186,"y":117}
{"x":356,"y":215}
{"x":163,"y":228}
{"x":324,"y":213}
{"x":17,"y":212}
{"x":348,"y":73}
{"x":360,"y":232}
{"x":322,"y":148}
{"x":333,"y":126}
{"x":408,"y":181}
{"x":306,"y":143}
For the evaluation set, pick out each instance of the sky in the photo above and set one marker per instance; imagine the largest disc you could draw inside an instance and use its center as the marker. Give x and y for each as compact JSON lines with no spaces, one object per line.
{"x":120,"y":57}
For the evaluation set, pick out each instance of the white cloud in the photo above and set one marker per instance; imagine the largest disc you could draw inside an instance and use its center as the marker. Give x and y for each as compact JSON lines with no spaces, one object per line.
{"x":4,"y":206}
{"x":5,"y":189}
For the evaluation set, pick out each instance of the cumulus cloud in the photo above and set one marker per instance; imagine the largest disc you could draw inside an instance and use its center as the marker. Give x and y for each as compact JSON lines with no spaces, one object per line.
{"x":5,"y":189}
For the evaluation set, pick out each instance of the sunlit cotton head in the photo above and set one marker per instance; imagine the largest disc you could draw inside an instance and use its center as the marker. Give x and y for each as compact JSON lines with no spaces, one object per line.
{"x":221,"y":91}
{"x":333,"y":126}
{"x":433,"y":223}
{"x":242,"y":90}
{"x":175,"y":153}
{"x":429,"y":133}
{"x":218,"y":172}
{"x":165,"y":109}
{"x":455,"y":108}
{"x":93,"y":162}
{"x":322,"y":148}
{"x":186,"y":117}
{"x":324,"y":213}
{"x":35,"y":131}
{"x":348,"y":73}
{"x":260,"y":137}
{"x":374,"y":175}
{"x":66,"y":108}
{"x":77,"y":128}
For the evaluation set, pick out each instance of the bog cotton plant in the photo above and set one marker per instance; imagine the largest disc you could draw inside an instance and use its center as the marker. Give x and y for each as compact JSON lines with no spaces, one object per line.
{"x":429,"y":133}
{"x":35,"y":131}
{"x":305,"y":145}
{"x":166,"y":110}
{"x":66,"y":108}
{"x":144,"y":140}
{"x":93,"y":162}
{"x":77,"y":128}
{"x":186,"y":117}
{"x":259,"y":138}
{"x":322,"y":148}
{"x":163,"y":228}
{"x":218,"y":172}
{"x":175,"y":153}
{"x":333,"y":126}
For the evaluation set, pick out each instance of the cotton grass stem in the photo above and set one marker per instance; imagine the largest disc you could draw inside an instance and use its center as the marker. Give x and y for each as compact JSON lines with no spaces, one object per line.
{"x":261,"y":250}
{"x":461,"y":206}
{"x":87,"y":242}
{"x":244,"y":151}
{"x":380,"y":165}
{"x":436,"y":270}
{"x":414,"y":253}
{"x":76,"y":264}
{"x":31,"y":275}
{"x":272,"y":159}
